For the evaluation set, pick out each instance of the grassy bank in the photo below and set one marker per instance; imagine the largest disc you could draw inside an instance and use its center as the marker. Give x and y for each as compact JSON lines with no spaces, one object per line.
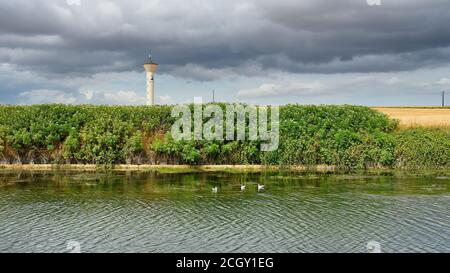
{"x":348,"y":137}
{"x":166,"y":168}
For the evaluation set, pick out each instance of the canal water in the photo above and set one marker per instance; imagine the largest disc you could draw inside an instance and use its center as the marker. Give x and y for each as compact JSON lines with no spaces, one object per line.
{"x":176,"y":212}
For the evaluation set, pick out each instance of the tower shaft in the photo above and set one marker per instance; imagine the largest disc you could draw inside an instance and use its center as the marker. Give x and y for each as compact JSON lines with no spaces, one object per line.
{"x":150,"y":89}
{"x":150,"y":68}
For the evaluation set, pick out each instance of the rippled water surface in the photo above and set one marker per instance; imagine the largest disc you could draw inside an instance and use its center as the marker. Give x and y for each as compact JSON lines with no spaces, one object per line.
{"x":149,"y":212}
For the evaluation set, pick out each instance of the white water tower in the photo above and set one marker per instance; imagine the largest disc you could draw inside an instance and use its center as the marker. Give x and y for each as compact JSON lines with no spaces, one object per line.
{"x":151,"y":68}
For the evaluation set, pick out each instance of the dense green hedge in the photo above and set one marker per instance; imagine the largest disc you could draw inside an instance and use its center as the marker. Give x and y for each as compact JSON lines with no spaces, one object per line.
{"x":351,"y":137}
{"x":423,"y":148}
{"x":77,"y":134}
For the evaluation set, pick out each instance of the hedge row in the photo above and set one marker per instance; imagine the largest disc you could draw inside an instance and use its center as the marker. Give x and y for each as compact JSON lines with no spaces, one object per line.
{"x":351,"y":137}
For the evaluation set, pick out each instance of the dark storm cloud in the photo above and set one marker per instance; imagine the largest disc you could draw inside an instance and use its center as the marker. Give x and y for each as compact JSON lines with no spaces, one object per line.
{"x":313,"y":36}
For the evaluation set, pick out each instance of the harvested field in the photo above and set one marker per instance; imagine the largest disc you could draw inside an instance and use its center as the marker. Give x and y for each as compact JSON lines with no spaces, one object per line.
{"x":419,"y":117}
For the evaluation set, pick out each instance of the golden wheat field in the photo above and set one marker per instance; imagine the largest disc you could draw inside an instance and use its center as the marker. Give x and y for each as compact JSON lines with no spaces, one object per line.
{"x":419,"y":117}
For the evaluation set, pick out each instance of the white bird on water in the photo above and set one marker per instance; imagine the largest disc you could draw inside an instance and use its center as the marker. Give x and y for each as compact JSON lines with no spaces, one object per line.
{"x":261,"y":187}
{"x":243,"y":187}
{"x":215,"y":190}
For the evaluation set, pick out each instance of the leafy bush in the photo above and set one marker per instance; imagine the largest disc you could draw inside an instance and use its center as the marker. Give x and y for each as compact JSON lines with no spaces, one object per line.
{"x":423,"y":148}
{"x":351,"y":137}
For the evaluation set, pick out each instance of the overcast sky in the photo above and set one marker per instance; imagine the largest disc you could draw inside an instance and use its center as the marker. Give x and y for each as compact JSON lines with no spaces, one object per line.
{"x":256,"y":51}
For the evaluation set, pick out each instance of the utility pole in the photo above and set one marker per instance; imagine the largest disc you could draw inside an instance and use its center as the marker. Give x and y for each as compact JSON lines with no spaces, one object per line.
{"x":214,"y":96}
{"x":443,"y":98}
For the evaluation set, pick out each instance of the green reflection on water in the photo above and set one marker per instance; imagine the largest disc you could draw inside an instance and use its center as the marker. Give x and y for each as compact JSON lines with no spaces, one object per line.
{"x":155,"y":212}
{"x":192,"y":184}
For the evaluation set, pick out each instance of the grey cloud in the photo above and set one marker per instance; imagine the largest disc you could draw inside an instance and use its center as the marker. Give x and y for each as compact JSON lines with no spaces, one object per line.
{"x":268,"y":90}
{"x":40,"y":96}
{"x":311,"y":36}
